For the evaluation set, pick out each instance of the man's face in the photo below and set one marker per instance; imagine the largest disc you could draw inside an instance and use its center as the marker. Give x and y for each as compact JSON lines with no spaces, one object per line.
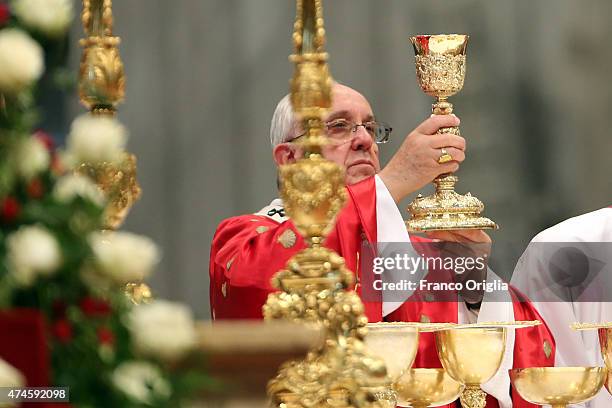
{"x":358,"y":152}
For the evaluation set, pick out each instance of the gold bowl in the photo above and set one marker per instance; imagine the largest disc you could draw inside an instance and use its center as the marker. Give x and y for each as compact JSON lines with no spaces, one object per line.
{"x":558,"y":386}
{"x":395,"y":343}
{"x":426,"y":387}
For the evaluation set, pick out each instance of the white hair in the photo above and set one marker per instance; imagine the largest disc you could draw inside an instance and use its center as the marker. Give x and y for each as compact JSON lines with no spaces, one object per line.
{"x":282,"y":126}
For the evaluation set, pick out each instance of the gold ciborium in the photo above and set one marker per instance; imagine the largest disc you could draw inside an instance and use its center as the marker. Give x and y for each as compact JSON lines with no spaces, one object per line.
{"x":558,"y":386}
{"x":440,"y":68}
{"x":426,"y":387}
{"x":396,"y":344}
{"x":471,"y":355}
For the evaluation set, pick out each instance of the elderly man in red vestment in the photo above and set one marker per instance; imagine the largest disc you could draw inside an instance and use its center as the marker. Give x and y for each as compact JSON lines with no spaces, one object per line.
{"x":248,"y":250}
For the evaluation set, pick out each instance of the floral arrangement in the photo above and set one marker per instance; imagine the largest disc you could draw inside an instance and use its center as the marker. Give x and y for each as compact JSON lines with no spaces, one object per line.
{"x":54,"y":256}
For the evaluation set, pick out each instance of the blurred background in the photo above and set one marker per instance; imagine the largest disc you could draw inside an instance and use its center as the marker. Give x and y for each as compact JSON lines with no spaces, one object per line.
{"x":204,"y":77}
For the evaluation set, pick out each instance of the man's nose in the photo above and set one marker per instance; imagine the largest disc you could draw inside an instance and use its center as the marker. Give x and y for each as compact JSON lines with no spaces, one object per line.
{"x":361,"y":139}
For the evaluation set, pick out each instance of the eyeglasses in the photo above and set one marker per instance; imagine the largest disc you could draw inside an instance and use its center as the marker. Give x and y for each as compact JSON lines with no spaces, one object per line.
{"x":342,"y":130}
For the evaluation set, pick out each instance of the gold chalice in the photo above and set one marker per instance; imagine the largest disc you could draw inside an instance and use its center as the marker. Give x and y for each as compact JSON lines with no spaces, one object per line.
{"x":426,"y":387}
{"x":440,"y":68}
{"x":558,"y":386}
{"x":605,"y":344}
{"x":396,"y":344}
{"x":472,"y":354}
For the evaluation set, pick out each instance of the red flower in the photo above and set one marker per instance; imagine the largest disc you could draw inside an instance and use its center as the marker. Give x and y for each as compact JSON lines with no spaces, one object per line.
{"x":36,"y":189}
{"x":45,"y":138}
{"x":10,"y":209}
{"x":62,"y":330}
{"x":106,"y":336}
{"x":5,"y":14}
{"x":94,"y":307}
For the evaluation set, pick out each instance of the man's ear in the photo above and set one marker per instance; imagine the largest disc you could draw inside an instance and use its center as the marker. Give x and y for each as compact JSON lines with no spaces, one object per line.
{"x":285,"y":153}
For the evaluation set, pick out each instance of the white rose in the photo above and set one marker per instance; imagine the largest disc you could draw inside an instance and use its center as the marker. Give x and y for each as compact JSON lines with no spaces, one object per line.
{"x":32,"y":251}
{"x":51,"y":17}
{"x":95,"y":139}
{"x":162,"y":329}
{"x":141,"y":381}
{"x":72,"y":185}
{"x":21,"y":60}
{"x":122,"y":256}
{"x":10,"y":376}
{"x":32,"y":157}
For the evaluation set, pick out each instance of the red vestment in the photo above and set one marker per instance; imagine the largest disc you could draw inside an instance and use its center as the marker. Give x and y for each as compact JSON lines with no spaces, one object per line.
{"x":248,"y":250}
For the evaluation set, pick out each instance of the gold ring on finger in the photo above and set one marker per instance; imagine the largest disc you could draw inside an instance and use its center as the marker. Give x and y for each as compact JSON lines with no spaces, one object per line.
{"x":444,"y":156}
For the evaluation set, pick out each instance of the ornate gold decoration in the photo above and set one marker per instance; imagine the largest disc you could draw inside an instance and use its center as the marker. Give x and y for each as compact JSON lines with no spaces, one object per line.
{"x":287,"y":239}
{"x":138,"y":293}
{"x":547,"y":348}
{"x":558,"y":386}
{"x":313,"y":286}
{"x":119,"y":185}
{"x":261,"y":229}
{"x":102,"y":78}
{"x":440,"y":68}
{"x":473,"y":397}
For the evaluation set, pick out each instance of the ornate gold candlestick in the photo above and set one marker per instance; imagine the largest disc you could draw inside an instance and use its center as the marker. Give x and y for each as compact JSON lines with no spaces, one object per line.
{"x":101,"y":89}
{"x":558,"y":386}
{"x":440,"y":68}
{"x":313,"y":287}
{"x":426,"y":387}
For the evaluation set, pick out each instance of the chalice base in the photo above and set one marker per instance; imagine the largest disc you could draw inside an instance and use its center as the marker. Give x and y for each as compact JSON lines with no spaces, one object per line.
{"x":447,"y":210}
{"x":473,"y":397}
{"x":386,"y":398}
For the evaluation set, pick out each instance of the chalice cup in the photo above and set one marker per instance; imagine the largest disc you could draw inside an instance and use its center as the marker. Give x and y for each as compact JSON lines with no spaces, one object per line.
{"x":471,"y":356}
{"x":558,"y":386}
{"x":426,"y":387}
{"x":605,"y":342}
{"x":440,"y":67}
{"x":396,"y":344}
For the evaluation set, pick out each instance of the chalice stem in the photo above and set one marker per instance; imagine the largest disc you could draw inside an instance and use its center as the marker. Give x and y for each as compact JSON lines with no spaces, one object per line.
{"x":473,"y":397}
